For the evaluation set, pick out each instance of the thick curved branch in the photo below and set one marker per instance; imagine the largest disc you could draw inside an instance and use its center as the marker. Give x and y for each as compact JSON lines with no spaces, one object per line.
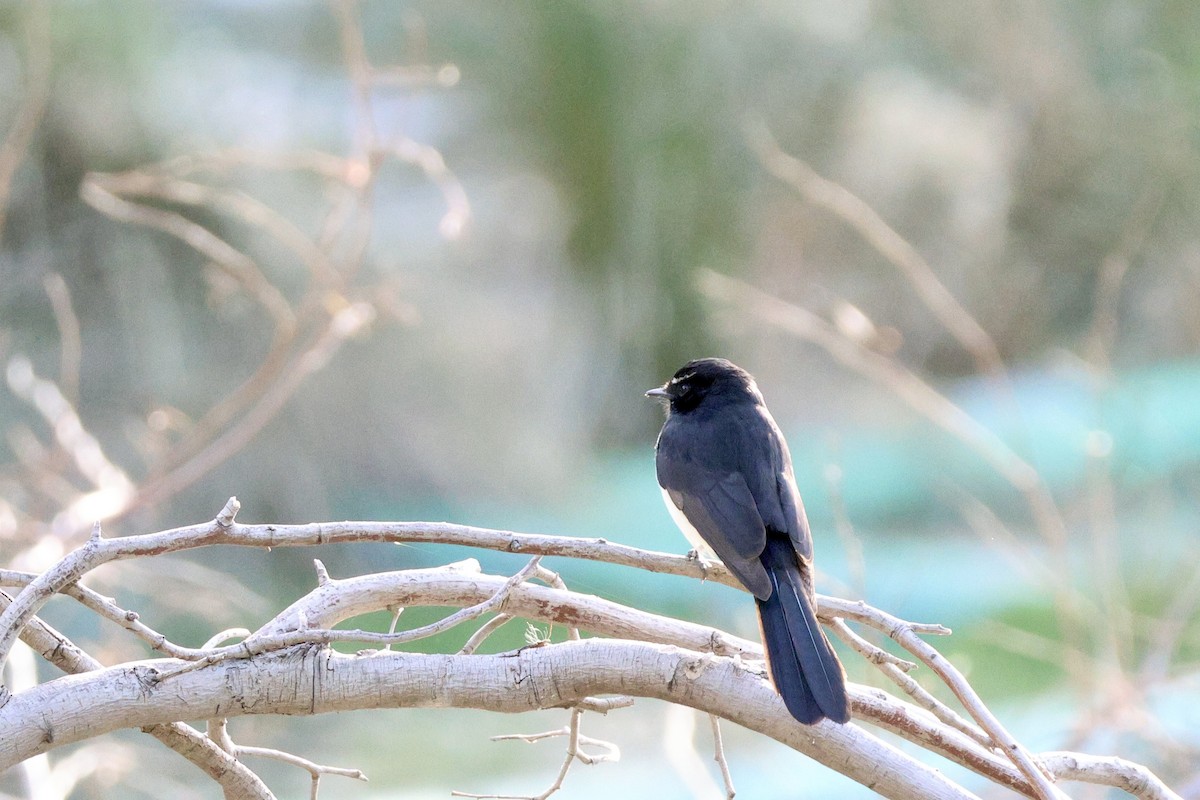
{"x":314,"y":681}
{"x":235,"y":779}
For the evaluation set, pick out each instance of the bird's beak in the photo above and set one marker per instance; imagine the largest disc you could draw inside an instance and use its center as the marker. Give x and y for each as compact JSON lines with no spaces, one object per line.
{"x":658,"y":393}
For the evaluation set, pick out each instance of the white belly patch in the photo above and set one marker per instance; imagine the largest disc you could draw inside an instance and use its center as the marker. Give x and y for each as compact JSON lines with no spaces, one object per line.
{"x":689,"y":531}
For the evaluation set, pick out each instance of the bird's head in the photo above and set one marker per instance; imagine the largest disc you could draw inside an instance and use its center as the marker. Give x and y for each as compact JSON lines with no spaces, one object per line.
{"x":704,"y":378}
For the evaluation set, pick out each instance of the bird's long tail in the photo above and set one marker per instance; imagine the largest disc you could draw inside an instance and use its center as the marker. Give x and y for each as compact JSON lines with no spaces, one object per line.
{"x":803,"y":666}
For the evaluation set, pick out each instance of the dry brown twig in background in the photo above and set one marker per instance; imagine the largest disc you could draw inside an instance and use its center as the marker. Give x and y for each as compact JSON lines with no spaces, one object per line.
{"x":309,"y":329}
{"x":891,"y":245}
{"x":33,"y":103}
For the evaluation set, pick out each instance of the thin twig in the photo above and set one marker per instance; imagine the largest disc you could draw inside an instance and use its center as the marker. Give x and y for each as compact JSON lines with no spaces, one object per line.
{"x":481,"y":635}
{"x":417,"y":77}
{"x":719,"y":756}
{"x":573,"y":752}
{"x":342,"y":326}
{"x":70,"y":341}
{"x":350,"y":216}
{"x":851,"y":542}
{"x":112,"y":486}
{"x":313,"y":768}
{"x":429,"y":160}
{"x":1166,"y":633}
{"x":1103,"y":330}
{"x":96,"y":192}
{"x":396,"y":614}
{"x":251,"y":211}
{"x":358,"y":67}
{"x":218,"y":732}
{"x":107,"y":609}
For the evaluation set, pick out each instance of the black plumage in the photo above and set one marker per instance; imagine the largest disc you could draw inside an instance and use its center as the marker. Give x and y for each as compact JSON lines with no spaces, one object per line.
{"x":726,"y":476}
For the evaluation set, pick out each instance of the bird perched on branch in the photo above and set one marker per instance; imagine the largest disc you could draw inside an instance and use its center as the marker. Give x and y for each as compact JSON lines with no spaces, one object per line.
{"x":726,"y":476}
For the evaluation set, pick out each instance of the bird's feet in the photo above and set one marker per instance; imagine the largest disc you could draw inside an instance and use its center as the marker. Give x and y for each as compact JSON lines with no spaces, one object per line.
{"x":704,"y":564}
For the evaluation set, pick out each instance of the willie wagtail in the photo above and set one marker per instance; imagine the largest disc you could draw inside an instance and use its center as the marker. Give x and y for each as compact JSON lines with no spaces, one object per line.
{"x":726,"y":477}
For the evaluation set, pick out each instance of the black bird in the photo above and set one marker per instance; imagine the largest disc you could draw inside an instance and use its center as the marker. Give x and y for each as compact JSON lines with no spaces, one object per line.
{"x":726,"y":477}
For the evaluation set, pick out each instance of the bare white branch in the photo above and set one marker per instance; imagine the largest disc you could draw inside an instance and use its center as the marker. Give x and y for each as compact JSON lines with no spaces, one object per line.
{"x":229,"y":773}
{"x":309,"y":681}
{"x":313,"y":768}
{"x":1108,"y":771}
{"x":224,"y":531}
{"x":311,"y":620}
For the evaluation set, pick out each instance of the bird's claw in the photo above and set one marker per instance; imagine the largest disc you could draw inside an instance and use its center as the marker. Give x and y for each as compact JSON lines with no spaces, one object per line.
{"x":704,"y":564}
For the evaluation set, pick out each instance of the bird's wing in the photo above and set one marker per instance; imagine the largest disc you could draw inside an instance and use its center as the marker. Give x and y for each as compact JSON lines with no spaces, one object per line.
{"x":773,"y":486}
{"x":721,"y":508}
{"x":793,"y":511}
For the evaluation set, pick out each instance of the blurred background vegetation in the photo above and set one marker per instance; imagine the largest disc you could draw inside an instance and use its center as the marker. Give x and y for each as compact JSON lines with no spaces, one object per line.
{"x":421,"y":259}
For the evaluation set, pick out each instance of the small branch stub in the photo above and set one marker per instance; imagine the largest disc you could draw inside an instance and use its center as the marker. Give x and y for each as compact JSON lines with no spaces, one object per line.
{"x":228,"y":513}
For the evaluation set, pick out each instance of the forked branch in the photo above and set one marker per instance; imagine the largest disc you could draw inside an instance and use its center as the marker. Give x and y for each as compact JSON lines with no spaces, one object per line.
{"x":652,"y":656}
